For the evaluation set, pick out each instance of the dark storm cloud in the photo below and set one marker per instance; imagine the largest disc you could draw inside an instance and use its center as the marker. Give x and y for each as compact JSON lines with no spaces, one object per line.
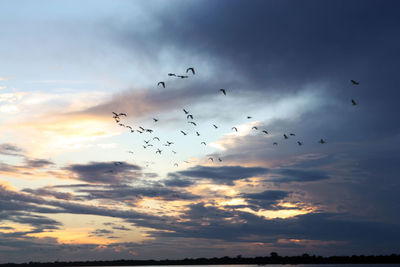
{"x":224,"y":175}
{"x":125,"y":192}
{"x":299,"y":175}
{"x":265,"y":200}
{"x":245,"y":227}
{"x":178,"y":182}
{"x":105,"y":172}
{"x":44,"y":192}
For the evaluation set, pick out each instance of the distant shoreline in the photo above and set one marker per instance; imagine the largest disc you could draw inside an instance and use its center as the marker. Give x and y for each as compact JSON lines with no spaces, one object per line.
{"x":274,"y":258}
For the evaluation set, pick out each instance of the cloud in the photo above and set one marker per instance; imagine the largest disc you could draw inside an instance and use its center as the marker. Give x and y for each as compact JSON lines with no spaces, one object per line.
{"x":265,"y":200}
{"x":105,"y":172}
{"x":224,"y":174}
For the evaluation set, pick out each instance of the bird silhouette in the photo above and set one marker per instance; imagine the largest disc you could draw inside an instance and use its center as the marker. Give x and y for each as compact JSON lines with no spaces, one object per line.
{"x":183,"y":133}
{"x":189,"y":116}
{"x":353,"y":102}
{"x":169,"y":143}
{"x":171,"y":74}
{"x":139,"y":131}
{"x":130,"y":152}
{"x":354,"y":82}
{"x":176,"y":164}
{"x":158,"y":151}
{"x":211,"y":159}
{"x":155,"y":120}
{"x":255,"y":128}
{"x":146,"y":141}
{"x":275,"y":143}
{"x":299,"y":143}
{"x":141,"y":128}
{"x":223,"y":91}
{"x":130,"y":127}
{"x":173,"y":151}
{"x":162,"y":83}
{"x":249,"y":117}
{"x":285,"y":136}
{"x":149,"y":130}
{"x":121,"y":124}
{"x":122,"y":114}
{"x":132,"y":131}
{"x":116,"y":163}
{"x":154,"y":138}
{"x":265,"y":131}
{"x":219,"y":159}
{"x":192,"y":122}
{"x":234,"y":128}
{"x":322,"y":141}
{"x":215,"y":126}
{"x":191,"y":69}
{"x":197,"y":133}
{"x":186,"y":112}
{"x":292,"y":134}
{"x":203,"y":143}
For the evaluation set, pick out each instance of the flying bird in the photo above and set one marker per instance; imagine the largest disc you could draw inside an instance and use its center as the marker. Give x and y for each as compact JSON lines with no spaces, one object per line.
{"x":171,"y":74}
{"x":211,"y":159}
{"x":158,"y":151}
{"x":183,"y":133}
{"x":169,"y":143}
{"x":197,"y":133}
{"x":322,"y":141}
{"x":215,"y":126}
{"x":275,"y":143}
{"x":121,"y":124}
{"x":173,"y":151}
{"x":353,"y":102}
{"x":146,"y":141}
{"x":203,"y":143}
{"x":176,"y":164}
{"x":191,"y":69}
{"x":149,"y":130}
{"x":249,"y":117}
{"x":189,"y":116}
{"x":292,"y":134}
{"x":116,"y":163}
{"x":354,"y":82}
{"x":132,"y":131}
{"x":155,"y":120}
{"x":234,"y":128}
{"x":162,"y":83}
{"x":192,"y":122}
{"x":285,"y":136}
{"x":255,"y":128}
{"x":128,"y":127}
{"x":154,"y":138}
{"x":299,"y":143}
{"x":141,"y":128}
{"x":122,"y":114}
{"x":130,"y":152}
{"x":265,"y":131}
{"x":182,"y":76}
{"x":223,"y":91}
{"x":139,"y":131}
{"x":186,"y":112}
{"x":219,"y":159}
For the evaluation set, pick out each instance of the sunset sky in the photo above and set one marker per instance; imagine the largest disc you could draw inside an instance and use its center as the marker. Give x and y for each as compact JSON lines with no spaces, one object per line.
{"x":65,"y":66}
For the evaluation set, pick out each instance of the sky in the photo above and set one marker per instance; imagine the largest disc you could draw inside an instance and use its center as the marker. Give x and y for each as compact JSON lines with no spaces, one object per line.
{"x":77,"y":185}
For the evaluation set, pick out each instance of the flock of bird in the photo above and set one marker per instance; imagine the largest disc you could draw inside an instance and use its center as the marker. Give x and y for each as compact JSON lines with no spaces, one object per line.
{"x":118,"y":117}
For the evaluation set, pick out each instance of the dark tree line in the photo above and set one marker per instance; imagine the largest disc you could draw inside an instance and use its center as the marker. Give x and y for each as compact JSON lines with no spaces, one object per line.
{"x":274,"y":258}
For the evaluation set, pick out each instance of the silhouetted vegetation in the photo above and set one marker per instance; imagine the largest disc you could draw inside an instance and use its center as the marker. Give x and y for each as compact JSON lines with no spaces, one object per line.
{"x":274,"y":258}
